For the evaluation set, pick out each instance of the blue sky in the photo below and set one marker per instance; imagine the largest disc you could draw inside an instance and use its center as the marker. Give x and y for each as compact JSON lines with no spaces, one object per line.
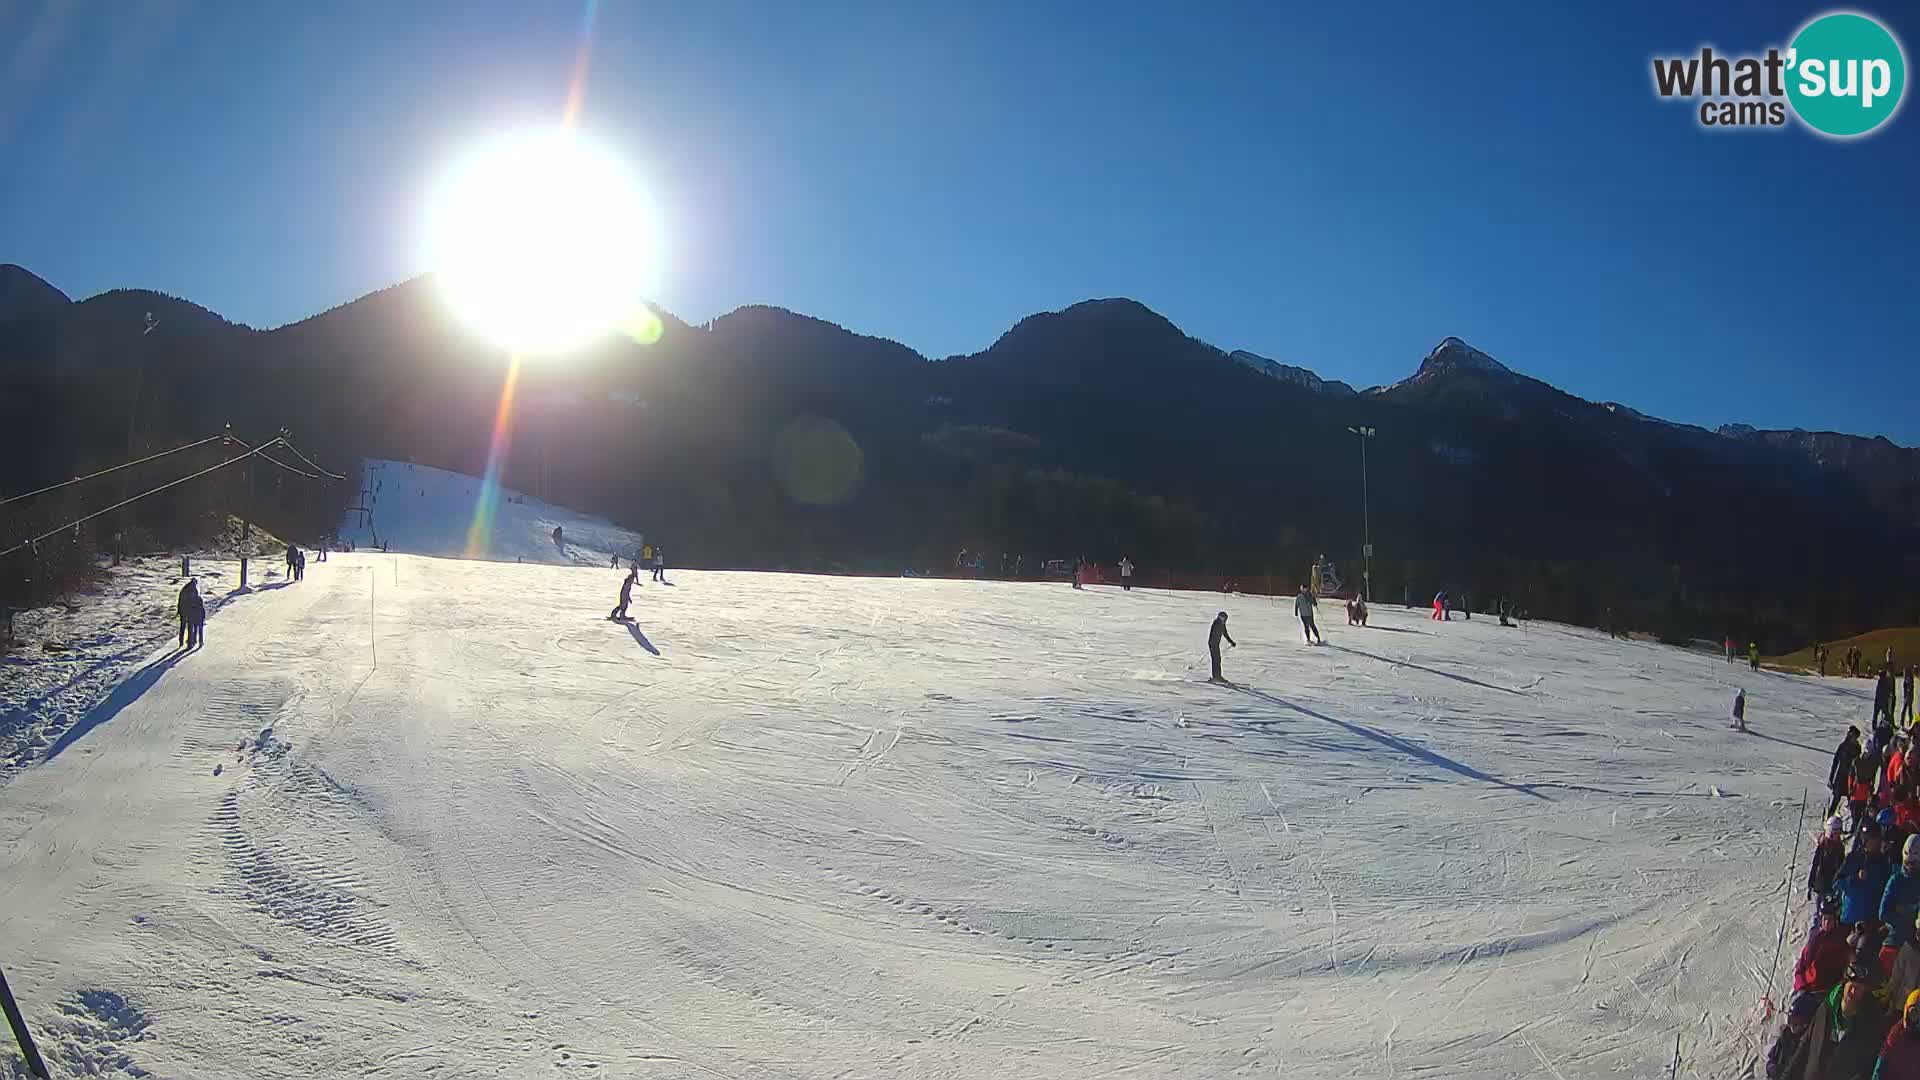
{"x":1336,"y":187}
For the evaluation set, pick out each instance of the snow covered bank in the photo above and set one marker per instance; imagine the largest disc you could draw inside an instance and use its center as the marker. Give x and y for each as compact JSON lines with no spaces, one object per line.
{"x":419,"y":816}
{"x":70,"y":661}
{"x":421,"y":510}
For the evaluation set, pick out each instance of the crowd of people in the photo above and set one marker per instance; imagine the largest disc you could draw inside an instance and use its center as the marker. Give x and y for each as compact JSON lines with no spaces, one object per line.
{"x":1855,"y":1009}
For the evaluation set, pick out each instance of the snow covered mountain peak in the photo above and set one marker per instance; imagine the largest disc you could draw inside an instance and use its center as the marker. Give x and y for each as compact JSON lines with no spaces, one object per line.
{"x":1454,"y":353}
{"x":1299,"y":376}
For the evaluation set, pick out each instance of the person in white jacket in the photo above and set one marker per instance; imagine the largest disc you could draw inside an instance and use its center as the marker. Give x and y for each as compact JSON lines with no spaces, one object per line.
{"x":1303,"y":607}
{"x":1126,"y":574}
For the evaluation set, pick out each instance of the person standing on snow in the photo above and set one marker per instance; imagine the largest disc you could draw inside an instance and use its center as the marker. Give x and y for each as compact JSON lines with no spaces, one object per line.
{"x":1126,"y":584}
{"x":1303,"y":606}
{"x":1900,"y":901}
{"x":1863,"y":879}
{"x":659,"y":564}
{"x":1846,"y":1033}
{"x":626,"y":595}
{"x":1800,"y":1010}
{"x":193,"y":613}
{"x":1823,"y":960}
{"x":1840,"y":773}
{"x":1753,"y":655}
{"x":1214,"y":634}
{"x":1883,"y":694}
{"x":299,"y":565}
{"x":1740,"y":710}
{"x":559,"y":538}
{"x":1900,"y":1052}
{"x":1829,"y":851}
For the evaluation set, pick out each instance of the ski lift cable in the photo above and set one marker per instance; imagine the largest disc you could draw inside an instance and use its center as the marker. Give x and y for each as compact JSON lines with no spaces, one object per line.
{"x":263,"y":447}
{"x":103,"y":472}
{"x":151,"y":491}
{"x":288,"y":443}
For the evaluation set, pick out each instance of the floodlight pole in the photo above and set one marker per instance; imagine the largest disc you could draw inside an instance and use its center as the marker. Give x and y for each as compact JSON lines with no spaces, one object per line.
{"x":1366,"y":516}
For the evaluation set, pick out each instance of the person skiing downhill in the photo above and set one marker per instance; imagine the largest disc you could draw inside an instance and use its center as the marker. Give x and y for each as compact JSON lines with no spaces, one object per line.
{"x":1303,"y":607}
{"x":626,"y":595}
{"x":1214,"y":634}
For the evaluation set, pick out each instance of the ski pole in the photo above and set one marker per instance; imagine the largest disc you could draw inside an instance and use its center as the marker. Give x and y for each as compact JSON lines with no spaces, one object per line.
{"x":20,"y":1034}
{"x":1786,"y":904}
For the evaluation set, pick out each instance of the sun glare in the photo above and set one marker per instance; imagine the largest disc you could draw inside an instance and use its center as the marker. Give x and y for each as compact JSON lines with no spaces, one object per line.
{"x":543,"y":241}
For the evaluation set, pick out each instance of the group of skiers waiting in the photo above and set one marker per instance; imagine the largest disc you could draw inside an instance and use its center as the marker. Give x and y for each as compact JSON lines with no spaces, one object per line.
{"x":1855,"y":1009}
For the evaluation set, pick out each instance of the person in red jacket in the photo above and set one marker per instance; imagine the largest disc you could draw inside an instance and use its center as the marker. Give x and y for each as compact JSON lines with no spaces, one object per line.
{"x":1900,"y":1054}
{"x":1829,"y":851}
{"x":1823,"y":960}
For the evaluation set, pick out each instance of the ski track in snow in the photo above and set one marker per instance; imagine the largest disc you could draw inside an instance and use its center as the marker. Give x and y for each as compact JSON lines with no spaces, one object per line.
{"x":985,"y":834}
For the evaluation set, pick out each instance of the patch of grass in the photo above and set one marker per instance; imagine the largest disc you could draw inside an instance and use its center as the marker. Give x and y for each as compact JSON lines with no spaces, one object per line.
{"x":1873,"y":649}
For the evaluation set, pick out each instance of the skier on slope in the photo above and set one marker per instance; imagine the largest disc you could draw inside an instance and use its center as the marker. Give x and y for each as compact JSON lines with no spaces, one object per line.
{"x":1740,"y":710}
{"x":1214,"y":634}
{"x":1303,"y":607}
{"x":659,"y":564}
{"x":1126,"y":585}
{"x":193,"y":613}
{"x":626,"y":595}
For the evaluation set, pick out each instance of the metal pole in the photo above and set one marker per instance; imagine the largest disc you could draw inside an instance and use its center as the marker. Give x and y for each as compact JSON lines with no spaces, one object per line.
{"x":20,"y":1033}
{"x":1366,"y":525}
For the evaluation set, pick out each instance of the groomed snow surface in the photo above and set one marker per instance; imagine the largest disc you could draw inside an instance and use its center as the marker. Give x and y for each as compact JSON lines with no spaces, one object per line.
{"x":431,"y":817}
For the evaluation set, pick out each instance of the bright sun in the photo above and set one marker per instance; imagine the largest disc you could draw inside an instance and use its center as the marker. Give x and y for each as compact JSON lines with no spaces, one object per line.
{"x":543,"y":241}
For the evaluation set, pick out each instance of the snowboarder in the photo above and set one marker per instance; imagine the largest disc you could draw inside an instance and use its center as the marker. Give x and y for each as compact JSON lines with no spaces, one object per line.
{"x":1214,"y":634}
{"x":660,"y":564}
{"x":1740,"y":710}
{"x":1126,"y":585}
{"x":193,"y":613}
{"x":626,"y":595}
{"x":1303,"y":607}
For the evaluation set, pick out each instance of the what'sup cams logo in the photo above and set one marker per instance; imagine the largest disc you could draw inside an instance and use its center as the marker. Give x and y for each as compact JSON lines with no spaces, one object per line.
{"x":1843,"y":76}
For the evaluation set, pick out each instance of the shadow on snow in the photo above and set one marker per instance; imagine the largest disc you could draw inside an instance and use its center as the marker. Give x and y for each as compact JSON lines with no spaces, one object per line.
{"x":1394,"y":742}
{"x":123,"y":695}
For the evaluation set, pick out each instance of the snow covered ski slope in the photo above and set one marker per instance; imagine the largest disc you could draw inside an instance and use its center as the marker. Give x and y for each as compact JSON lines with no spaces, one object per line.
{"x":421,"y":510}
{"x":424,"y":817}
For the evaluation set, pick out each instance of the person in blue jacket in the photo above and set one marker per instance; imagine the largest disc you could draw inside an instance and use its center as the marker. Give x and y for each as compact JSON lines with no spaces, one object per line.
{"x":1863,"y":879}
{"x":1900,"y":901}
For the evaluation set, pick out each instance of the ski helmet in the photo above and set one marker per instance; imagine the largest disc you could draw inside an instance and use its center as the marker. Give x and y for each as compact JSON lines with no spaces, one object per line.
{"x":1885,"y":818}
{"x":1222,"y":615}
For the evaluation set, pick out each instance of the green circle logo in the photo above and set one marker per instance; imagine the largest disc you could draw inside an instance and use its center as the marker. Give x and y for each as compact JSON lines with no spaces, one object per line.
{"x":1846,"y":74}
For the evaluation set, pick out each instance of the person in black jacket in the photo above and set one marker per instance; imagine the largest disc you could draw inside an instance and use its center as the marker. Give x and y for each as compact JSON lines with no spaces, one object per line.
{"x":1843,"y":1039}
{"x":1840,"y":773}
{"x":1828,"y":853}
{"x":1214,"y":634}
{"x":193,"y":615}
{"x":626,"y":595}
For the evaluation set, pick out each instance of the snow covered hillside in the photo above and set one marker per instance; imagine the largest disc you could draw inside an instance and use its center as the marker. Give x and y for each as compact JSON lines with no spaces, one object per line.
{"x":419,"y":816}
{"x":421,"y":510}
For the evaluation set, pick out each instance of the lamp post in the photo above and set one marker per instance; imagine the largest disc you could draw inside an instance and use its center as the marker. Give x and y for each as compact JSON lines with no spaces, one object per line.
{"x":1366,"y":519}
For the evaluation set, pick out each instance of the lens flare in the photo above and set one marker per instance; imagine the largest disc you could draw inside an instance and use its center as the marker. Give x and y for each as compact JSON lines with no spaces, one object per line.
{"x":543,"y":241}
{"x":816,"y":462}
{"x":480,"y":532}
